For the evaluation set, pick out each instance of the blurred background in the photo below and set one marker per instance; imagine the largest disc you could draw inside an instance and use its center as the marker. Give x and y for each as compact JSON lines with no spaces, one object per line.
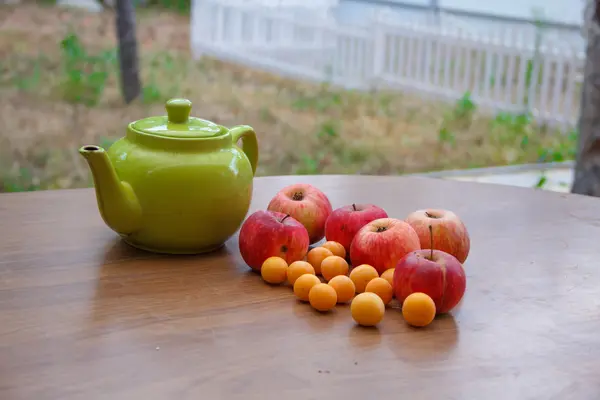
{"x":348,"y":86}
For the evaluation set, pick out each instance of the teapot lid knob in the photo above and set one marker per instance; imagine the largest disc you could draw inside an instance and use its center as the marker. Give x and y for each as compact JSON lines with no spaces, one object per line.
{"x":178,"y":110}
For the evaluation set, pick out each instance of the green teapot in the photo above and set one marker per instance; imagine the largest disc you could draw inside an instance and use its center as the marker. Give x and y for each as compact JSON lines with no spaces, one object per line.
{"x":175,"y":184}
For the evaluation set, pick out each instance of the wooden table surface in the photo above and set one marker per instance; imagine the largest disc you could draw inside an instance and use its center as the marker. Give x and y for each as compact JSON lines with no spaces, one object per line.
{"x":84,"y":316}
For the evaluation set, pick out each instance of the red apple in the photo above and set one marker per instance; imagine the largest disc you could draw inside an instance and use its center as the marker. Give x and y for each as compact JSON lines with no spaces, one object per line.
{"x":345,"y":222}
{"x":449,"y":232}
{"x":267,"y":234}
{"x":382,"y":242}
{"x":305,"y":203}
{"x":436,"y":273}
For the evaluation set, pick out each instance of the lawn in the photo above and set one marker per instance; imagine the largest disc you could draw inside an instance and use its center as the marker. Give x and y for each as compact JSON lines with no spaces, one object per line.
{"x":59,"y":90}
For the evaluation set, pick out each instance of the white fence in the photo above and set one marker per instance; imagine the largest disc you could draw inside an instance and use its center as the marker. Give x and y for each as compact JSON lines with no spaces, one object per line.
{"x":501,"y":72}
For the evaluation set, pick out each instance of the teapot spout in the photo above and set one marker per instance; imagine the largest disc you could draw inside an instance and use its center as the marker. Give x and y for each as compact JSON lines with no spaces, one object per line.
{"x":117,"y":202}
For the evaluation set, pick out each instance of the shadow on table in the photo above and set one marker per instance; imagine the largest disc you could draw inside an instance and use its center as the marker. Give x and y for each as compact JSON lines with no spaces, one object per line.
{"x":432,"y":343}
{"x":365,"y":338}
{"x":314,"y":320}
{"x":117,"y":251}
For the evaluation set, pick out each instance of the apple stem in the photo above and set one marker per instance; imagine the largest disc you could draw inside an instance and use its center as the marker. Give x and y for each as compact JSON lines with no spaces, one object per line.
{"x":431,"y":240}
{"x":354,"y":206}
{"x":430,"y":215}
{"x":284,"y":218}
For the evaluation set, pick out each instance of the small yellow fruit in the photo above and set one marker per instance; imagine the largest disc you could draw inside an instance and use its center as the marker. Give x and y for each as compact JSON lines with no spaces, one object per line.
{"x":316,"y":256}
{"x":344,"y":287}
{"x":418,"y":309}
{"x":381,"y":288}
{"x":322,"y":297}
{"x":362,"y":275}
{"x":297,"y":269}
{"x":388,"y":275}
{"x":336,"y":248}
{"x":333,"y":266}
{"x":367,"y":309}
{"x":274,"y":270}
{"x":303,"y":285}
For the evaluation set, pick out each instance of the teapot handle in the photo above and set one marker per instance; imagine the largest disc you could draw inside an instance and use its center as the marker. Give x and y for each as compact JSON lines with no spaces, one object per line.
{"x":249,"y":143}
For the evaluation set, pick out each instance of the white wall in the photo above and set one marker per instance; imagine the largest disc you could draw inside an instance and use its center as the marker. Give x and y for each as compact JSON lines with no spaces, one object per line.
{"x":415,"y":2}
{"x":562,"y":11}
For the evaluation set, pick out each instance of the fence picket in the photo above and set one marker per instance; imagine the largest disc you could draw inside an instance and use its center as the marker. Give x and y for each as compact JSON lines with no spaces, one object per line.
{"x":448,"y":50}
{"x":476,"y":90}
{"x":498,"y":75}
{"x":557,"y":91}
{"x":521,"y":81}
{"x":570,"y":91}
{"x":437,"y":62}
{"x":509,"y":80}
{"x":542,"y":105}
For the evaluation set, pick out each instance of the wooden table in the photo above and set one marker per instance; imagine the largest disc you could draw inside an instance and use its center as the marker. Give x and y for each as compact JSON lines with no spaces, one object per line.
{"x":84,"y":316}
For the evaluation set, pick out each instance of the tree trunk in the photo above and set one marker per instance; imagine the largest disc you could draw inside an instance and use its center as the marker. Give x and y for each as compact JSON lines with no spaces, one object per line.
{"x":130,"y":78}
{"x":587,"y":164}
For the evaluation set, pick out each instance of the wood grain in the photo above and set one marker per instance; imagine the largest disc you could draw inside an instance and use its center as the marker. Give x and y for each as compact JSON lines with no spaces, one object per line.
{"x":84,"y":316}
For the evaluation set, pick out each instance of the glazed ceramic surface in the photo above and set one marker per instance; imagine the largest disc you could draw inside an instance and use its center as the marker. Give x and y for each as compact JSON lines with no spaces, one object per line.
{"x":175,"y":183}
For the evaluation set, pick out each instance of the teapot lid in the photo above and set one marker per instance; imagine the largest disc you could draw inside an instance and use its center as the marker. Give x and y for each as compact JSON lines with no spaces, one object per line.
{"x":178,"y":123}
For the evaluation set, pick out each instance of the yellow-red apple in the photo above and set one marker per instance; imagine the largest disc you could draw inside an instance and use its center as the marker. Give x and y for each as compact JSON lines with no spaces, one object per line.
{"x":434,"y":272}
{"x":382,"y":242}
{"x":449,"y":232}
{"x":267,"y":234}
{"x":306,"y":204}
{"x":344,"y":222}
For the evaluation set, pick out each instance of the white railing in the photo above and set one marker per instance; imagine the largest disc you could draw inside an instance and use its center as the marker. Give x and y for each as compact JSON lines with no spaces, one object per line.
{"x":501,"y":72}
